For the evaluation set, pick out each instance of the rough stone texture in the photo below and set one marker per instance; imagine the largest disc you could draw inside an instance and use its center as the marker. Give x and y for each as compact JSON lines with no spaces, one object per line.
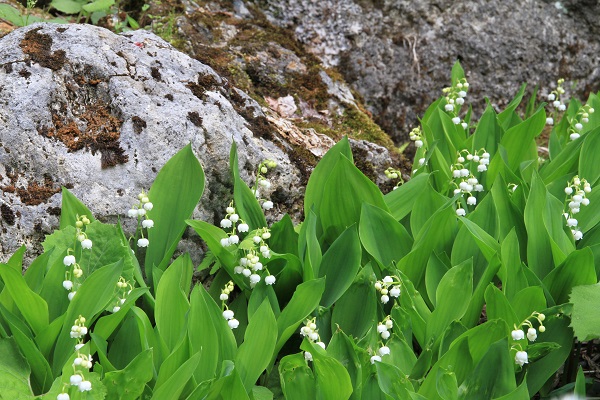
{"x":397,"y":53}
{"x":101,"y":113}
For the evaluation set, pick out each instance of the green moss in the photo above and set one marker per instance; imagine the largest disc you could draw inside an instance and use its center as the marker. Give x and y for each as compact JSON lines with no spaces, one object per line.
{"x":358,"y":125}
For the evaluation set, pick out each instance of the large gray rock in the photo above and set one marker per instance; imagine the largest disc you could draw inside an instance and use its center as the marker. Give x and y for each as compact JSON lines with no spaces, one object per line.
{"x":101,"y":113}
{"x":398,"y":54}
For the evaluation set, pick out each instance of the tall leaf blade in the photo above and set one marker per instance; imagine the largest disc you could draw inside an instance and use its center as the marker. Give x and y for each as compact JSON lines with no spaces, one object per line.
{"x":174,"y":194}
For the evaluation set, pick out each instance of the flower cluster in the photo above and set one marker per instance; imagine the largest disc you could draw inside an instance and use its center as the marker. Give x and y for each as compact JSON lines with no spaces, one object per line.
{"x":417,"y":136}
{"x":388,"y":286}
{"x":518,"y":334}
{"x":554,"y":100}
{"x":80,"y":224}
{"x":74,"y":271}
{"x":576,"y":191}
{"x":123,"y":289}
{"x":262,"y":184}
{"x":392,"y":173}
{"x":576,"y":123}
{"x":82,"y":363}
{"x":138,"y":211}
{"x":227,"y":313}
{"x":455,"y":98}
{"x":310,"y":331}
{"x":383,"y":328}
{"x":229,"y":222}
{"x":250,"y":264}
{"x":464,"y":180}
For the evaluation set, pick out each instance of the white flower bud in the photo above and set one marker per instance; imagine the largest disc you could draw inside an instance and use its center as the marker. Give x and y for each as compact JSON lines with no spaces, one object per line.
{"x":147,"y":223}
{"x":267,"y":205}
{"x":141,"y":212}
{"x":385,"y":298}
{"x":448,"y":107}
{"x":556,"y":103}
{"x":116,"y":309}
{"x":562,"y":107}
{"x":395,"y":291}
{"x":375,"y":358}
{"x":85,"y":386}
{"x":228,"y":314}
{"x":578,"y":126}
{"x":585,"y":201}
{"x":384,"y":351}
{"x":148,"y":206}
{"x":132,"y":213}
{"x":246,"y":272}
{"x":461,"y":212}
{"x":308,"y":356}
{"x":418,"y":143}
{"x":568,"y":190}
{"x":225,"y":242}
{"x":381,"y":328}
{"x":71,"y":295}
{"x":69,"y":260}
{"x":464,"y":125}
{"x":230,"y":210}
{"x":321,"y":344}
{"x":456,"y":120}
{"x":223,"y":296}
{"x":68,"y":285}
{"x":75,"y":379}
{"x":531,"y":334}
{"x":270,"y":279}
{"x":243,"y":227}
{"x":225,"y":223}
{"x":517,"y":334}
{"x":389,"y":324}
{"x":521,"y":358}
{"x":63,"y":396}
{"x":233,"y":239}
{"x":234,"y":218}
{"x":385,"y":335}
{"x":143,"y":242}
{"x":551,"y":97}
{"x":471,"y":201}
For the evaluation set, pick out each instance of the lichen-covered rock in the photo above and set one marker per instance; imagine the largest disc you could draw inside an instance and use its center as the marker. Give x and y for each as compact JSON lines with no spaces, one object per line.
{"x":398,"y":54}
{"x":101,"y":113}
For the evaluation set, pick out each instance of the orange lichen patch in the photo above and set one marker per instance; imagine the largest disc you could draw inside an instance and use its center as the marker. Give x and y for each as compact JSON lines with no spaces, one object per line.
{"x":39,"y":48}
{"x":35,"y":193}
{"x":100,"y":131}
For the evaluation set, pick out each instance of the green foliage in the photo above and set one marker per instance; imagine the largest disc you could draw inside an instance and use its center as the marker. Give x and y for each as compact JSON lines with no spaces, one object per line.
{"x":470,"y":281}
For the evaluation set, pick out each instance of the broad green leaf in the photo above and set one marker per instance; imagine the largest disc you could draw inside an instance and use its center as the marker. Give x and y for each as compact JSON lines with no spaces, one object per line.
{"x":344,"y":349}
{"x":33,"y":308}
{"x":402,"y":200}
{"x":174,"y":194}
{"x":392,"y":381}
{"x":452,"y":298}
{"x":71,"y":207}
{"x":498,"y":307}
{"x":173,"y":387}
{"x":493,"y":376}
{"x":382,"y":236}
{"x":471,"y":316}
{"x":585,"y":319}
{"x":313,"y":194}
{"x":14,"y":372}
{"x":171,"y":302}
{"x":297,"y":379}
{"x":245,"y":201}
{"x":35,"y":274}
{"x":539,"y":256}
{"x":356,"y":311}
{"x":309,"y":248}
{"x":488,"y":132}
{"x":41,"y":373}
{"x":173,"y":361}
{"x":259,"y":343}
{"x":505,"y":118}
{"x":67,"y":6}
{"x":98,"y":5}
{"x":339,"y":265}
{"x":128,"y":383}
{"x":527,"y":301}
{"x":577,"y":269}
{"x":284,"y":239}
{"x":343,"y":195}
{"x":519,"y":140}
{"x":333,"y":381}
{"x":520,"y":393}
{"x":229,"y":386}
{"x":446,"y":384}
{"x":305,"y":299}
{"x":11,"y":14}
{"x":203,"y":336}
{"x":589,"y":161}
{"x":557,"y":332}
